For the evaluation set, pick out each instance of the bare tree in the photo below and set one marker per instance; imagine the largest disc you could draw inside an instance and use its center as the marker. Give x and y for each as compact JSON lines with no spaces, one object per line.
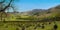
{"x":3,"y":9}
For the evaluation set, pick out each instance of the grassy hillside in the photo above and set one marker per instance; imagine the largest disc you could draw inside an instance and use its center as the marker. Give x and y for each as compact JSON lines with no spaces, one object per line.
{"x":36,"y":14}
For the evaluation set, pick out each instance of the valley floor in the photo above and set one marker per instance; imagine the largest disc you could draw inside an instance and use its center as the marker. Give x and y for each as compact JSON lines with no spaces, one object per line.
{"x":26,"y":25}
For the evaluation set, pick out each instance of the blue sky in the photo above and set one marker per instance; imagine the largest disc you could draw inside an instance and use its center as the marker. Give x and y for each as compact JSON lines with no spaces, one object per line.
{"x":27,"y":5}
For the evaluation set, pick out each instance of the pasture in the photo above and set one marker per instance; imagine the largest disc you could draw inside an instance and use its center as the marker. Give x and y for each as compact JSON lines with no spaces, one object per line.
{"x":23,"y":25}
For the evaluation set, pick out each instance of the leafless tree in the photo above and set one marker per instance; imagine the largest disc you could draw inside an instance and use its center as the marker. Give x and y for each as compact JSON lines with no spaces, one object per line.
{"x":3,"y":7}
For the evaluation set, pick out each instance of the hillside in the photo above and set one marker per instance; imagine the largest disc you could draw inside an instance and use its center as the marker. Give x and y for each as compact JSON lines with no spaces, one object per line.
{"x":36,"y":14}
{"x":44,"y":13}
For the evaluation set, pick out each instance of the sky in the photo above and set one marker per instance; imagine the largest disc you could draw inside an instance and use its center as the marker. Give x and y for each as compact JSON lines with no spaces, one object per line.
{"x":27,"y":5}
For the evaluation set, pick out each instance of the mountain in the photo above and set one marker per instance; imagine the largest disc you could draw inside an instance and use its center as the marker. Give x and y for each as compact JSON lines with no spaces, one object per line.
{"x":37,"y":12}
{"x":55,"y":9}
{"x":43,"y":11}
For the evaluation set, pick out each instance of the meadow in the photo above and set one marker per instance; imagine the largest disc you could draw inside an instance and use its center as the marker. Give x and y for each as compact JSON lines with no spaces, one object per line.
{"x":23,"y":25}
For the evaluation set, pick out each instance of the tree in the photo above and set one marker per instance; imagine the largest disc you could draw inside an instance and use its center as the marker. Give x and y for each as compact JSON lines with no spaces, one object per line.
{"x":4,"y":6}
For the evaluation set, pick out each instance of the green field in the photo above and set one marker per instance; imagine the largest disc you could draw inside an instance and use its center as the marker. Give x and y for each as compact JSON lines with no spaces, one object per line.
{"x":23,"y":25}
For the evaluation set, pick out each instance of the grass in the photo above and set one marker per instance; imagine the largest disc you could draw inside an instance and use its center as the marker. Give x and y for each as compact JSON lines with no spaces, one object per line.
{"x":15,"y":25}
